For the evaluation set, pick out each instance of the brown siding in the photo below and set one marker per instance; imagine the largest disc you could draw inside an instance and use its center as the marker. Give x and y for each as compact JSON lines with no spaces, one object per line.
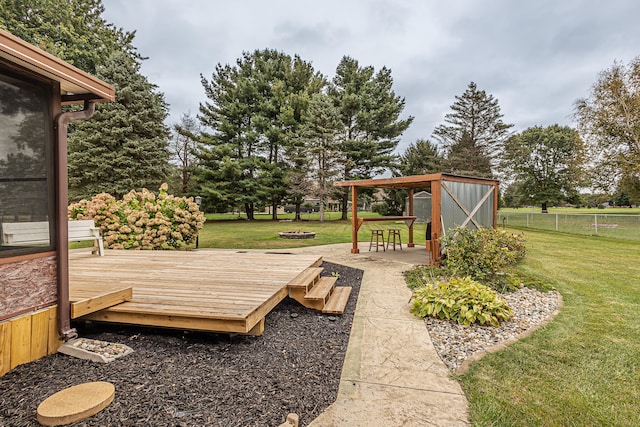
{"x":27,"y":285}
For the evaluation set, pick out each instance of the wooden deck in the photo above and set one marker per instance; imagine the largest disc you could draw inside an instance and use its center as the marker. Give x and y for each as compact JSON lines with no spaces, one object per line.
{"x":210,"y":290}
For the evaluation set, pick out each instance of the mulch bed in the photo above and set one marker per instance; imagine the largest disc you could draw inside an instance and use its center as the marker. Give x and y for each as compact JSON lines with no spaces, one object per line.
{"x":182,"y":378}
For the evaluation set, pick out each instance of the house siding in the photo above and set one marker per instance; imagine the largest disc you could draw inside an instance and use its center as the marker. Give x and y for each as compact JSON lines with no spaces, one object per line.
{"x":27,"y":285}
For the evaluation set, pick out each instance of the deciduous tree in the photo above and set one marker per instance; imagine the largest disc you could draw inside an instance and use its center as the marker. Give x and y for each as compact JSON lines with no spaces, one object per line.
{"x":546,"y":163}
{"x":609,"y":121}
{"x":184,"y":148}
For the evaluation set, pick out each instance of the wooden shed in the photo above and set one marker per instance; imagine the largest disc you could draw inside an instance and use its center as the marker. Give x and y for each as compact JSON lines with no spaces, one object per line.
{"x":34,"y":306}
{"x":455,"y":201}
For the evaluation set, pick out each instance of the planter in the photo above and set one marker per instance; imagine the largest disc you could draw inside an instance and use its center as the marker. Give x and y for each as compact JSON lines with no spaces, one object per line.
{"x":297,"y":235}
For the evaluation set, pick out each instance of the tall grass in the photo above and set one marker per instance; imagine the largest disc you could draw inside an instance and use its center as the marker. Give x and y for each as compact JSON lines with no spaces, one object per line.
{"x":583,"y":369}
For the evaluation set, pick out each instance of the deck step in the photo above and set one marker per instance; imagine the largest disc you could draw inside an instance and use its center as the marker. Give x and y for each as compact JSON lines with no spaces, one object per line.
{"x":338,"y":300}
{"x":85,"y":301}
{"x":306,"y":279}
{"x":322,"y":290}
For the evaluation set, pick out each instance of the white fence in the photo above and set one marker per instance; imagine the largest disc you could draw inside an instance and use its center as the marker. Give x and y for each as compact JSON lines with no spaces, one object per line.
{"x":607,"y":225}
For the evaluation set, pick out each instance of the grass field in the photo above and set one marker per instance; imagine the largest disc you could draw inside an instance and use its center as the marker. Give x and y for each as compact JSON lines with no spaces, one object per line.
{"x":582,"y":369}
{"x":599,"y":222}
{"x":264,"y":234}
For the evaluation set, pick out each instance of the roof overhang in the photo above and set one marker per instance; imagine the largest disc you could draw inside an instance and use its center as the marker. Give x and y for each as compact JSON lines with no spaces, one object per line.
{"x":413,"y":181}
{"x":75,"y":84}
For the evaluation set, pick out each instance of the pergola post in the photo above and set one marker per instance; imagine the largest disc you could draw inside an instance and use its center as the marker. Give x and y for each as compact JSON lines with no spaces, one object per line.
{"x":436,"y":223}
{"x":410,"y":213}
{"x":354,"y":220}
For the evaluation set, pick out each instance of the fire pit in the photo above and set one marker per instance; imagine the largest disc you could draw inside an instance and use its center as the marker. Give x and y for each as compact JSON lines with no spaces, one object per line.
{"x":297,"y":235}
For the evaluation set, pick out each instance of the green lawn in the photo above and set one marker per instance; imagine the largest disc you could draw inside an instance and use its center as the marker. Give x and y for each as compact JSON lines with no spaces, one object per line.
{"x":582,"y":369}
{"x":607,"y":211}
{"x":241,"y":234}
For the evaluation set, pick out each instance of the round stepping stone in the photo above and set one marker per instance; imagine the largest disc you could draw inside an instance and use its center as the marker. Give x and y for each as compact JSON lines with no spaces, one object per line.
{"x":75,"y":403}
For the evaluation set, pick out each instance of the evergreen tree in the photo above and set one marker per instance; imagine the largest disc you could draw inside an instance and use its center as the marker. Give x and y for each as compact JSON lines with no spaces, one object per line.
{"x":71,"y":30}
{"x":473,"y":133}
{"x":254,"y":112}
{"x":370,"y":114}
{"x":321,"y":130}
{"x":124,"y":145}
{"x":420,"y":158}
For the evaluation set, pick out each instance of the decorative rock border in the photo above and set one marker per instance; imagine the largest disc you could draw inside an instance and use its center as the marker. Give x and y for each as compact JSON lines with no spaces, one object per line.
{"x":466,"y":364}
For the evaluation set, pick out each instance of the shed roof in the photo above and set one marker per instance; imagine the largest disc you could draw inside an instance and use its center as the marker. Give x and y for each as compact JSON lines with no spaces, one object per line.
{"x":75,"y":84}
{"x":412,"y":181}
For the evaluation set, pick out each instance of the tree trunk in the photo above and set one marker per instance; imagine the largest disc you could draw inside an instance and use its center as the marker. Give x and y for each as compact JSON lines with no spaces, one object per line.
{"x":544,"y":207}
{"x":248,"y":209}
{"x":298,"y":212}
{"x":274,"y":210}
{"x":345,"y":203}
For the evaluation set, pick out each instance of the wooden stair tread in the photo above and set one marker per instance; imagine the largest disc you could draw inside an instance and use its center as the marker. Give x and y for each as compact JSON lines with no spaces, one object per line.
{"x":338,"y":300}
{"x":83,"y":302}
{"x":322,"y":289}
{"x":306,"y":278}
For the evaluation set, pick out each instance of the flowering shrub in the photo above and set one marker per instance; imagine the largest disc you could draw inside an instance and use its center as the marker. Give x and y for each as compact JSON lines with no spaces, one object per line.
{"x":462,"y":300}
{"x":142,"y":220}
{"x":482,"y":254}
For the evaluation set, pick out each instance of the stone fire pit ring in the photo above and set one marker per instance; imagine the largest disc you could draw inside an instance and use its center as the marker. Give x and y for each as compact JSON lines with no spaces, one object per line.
{"x":297,"y":235}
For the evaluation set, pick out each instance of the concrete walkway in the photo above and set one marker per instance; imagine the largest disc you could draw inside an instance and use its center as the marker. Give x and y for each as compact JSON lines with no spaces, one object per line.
{"x":392,"y":375}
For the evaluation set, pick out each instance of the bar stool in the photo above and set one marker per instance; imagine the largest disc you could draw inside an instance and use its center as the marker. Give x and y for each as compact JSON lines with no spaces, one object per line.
{"x":379,"y":235}
{"x":393,"y":233}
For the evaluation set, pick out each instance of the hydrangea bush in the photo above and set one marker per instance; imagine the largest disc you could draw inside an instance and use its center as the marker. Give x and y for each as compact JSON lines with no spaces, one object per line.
{"x":142,"y":219}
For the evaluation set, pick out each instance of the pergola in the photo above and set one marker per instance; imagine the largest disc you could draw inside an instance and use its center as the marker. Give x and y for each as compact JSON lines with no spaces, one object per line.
{"x":456,"y":201}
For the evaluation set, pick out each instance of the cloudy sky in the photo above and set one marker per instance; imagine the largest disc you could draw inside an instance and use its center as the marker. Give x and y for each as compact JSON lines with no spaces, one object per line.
{"x":536,"y":57}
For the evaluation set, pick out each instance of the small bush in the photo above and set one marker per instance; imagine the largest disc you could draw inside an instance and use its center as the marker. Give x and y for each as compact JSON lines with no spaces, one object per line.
{"x":423,"y":275}
{"x":462,"y":300}
{"x":142,"y":220}
{"x":482,"y":254}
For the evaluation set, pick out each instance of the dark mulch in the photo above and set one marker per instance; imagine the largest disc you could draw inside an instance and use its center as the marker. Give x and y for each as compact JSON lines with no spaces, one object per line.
{"x":181,"y":378}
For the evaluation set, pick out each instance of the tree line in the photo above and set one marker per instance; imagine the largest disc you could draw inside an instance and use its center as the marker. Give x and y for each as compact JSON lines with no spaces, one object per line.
{"x":274,"y":131}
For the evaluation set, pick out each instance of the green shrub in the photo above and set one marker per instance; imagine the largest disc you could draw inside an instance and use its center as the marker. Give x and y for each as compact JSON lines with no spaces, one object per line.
{"x":142,"y":220}
{"x":483,"y":254}
{"x":462,"y":300}
{"x":423,"y":275}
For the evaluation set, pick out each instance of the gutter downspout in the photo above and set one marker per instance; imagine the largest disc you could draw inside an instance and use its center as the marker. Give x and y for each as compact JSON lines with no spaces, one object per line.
{"x":62,"y":227}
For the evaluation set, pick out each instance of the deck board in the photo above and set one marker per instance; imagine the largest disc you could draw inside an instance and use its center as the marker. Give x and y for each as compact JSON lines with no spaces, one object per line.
{"x":219,"y":291}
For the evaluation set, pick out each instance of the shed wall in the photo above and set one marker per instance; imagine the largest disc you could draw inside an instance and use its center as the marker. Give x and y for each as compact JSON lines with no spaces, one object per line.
{"x":469,"y":195}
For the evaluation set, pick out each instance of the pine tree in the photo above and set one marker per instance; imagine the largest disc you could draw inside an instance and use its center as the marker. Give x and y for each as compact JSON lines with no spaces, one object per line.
{"x":473,"y":133}
{"x":421,"y":157}
{"x":124,"y":145}
{"x":321,"y":131}
{"x":370,"y":114}
{"x":254,"y":114}
{"x":71,"y":30}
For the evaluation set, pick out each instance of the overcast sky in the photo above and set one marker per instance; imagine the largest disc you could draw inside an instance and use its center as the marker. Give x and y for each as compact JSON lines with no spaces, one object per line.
{"x":536,"y":57}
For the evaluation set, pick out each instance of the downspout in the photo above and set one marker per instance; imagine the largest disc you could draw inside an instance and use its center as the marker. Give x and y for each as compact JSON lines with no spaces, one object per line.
{"x":62,"y":202}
